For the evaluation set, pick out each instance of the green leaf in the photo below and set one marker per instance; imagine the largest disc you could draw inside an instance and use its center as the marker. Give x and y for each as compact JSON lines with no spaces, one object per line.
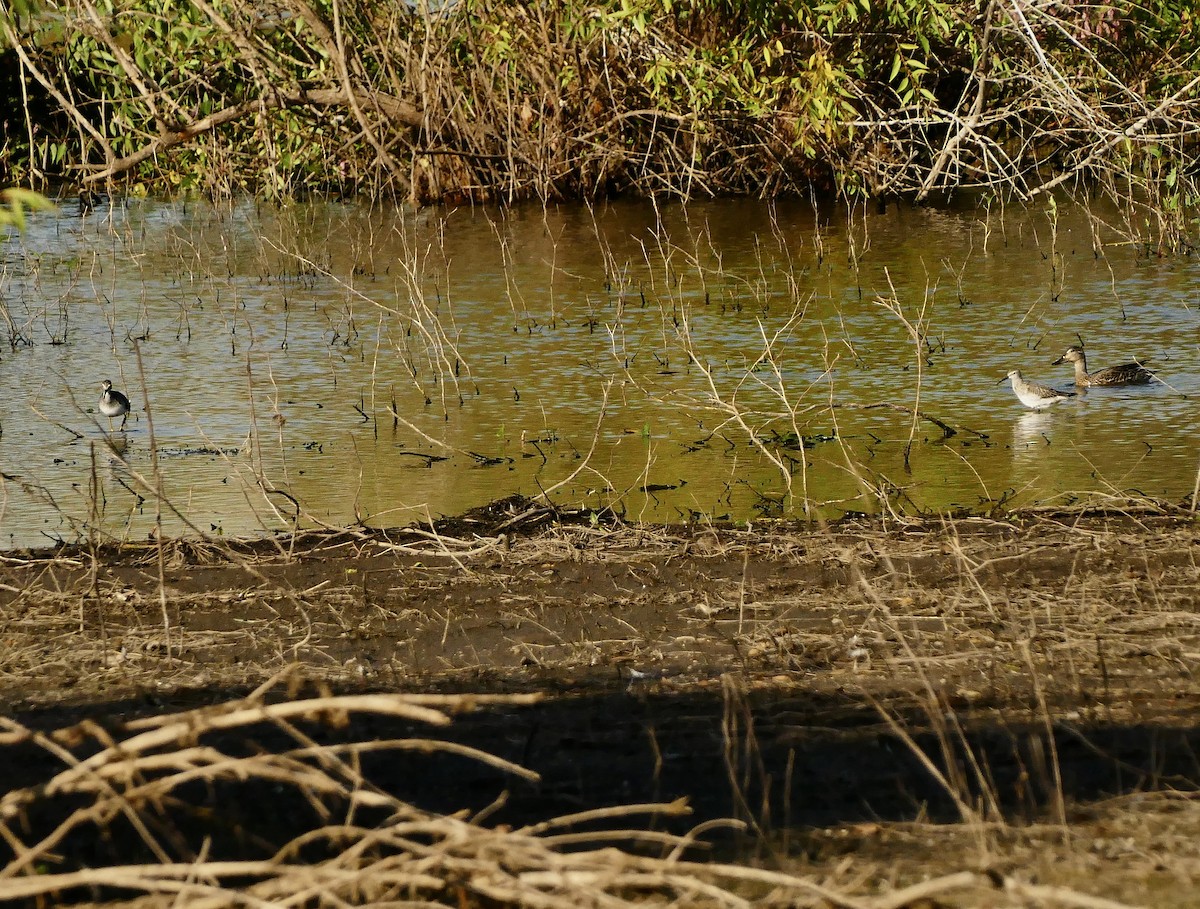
{"x":18,"y":200}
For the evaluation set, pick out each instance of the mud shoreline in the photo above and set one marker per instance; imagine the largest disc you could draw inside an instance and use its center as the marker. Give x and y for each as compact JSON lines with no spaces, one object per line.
{"x":786,"y":676}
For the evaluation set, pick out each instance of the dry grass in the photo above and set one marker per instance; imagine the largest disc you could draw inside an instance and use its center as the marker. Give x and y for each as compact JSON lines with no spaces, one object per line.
{"x":1062,"y":625}
{"x":369,"y":848}
{"x":876,"y":599}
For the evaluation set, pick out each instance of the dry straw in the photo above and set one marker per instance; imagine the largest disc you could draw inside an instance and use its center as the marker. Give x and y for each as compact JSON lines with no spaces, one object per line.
{"x":366,"y":847}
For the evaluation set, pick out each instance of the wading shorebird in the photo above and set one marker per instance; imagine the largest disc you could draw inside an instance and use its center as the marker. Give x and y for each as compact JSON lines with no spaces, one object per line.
{"x":1034,"y":395}
{"x":1125,"y":374}
{"x":113,"y":404}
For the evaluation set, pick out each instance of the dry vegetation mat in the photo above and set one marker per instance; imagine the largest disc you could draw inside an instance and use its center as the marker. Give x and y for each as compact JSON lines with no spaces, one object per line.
{"x":507,"y":709}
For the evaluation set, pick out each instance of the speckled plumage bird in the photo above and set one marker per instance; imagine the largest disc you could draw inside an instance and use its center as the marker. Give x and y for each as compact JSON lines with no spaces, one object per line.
{"x":1035,"y":395}
{"x":1125,"y":374}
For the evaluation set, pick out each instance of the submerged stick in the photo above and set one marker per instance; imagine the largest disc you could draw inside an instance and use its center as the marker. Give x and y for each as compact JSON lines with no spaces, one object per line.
{"x":945,"y":427}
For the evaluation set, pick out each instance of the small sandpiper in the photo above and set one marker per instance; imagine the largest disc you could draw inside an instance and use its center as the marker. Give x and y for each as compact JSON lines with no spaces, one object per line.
{"x":113,"y":404}
{"x":1125,"y":374}
{"x":1035,"y":395}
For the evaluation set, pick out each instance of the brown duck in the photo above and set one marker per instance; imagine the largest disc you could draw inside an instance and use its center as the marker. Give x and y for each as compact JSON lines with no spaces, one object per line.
{"x":1125,"y":374}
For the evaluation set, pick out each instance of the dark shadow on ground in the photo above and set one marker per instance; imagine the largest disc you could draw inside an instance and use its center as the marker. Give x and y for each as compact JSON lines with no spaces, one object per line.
{"x":813,"y":760}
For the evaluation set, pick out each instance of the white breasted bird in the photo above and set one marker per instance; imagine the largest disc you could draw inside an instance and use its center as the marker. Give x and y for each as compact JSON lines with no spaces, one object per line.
{"x":113,"y":403}
{"x":1034,"y":394}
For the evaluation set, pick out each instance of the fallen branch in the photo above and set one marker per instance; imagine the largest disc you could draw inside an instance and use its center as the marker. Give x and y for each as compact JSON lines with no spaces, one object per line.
{"x":945,"y":427}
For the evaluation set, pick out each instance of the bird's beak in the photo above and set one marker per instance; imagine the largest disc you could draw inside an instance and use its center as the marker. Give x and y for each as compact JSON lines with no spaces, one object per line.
{"x":1002,"y":379}
{"x":1059,"y":360}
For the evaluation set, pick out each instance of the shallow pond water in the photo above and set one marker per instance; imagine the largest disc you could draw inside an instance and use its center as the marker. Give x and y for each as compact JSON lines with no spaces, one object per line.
{"x":330,"y":363}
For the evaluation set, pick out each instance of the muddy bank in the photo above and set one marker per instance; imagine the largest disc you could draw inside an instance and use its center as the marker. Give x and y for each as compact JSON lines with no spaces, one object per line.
{"x":791,"y":677}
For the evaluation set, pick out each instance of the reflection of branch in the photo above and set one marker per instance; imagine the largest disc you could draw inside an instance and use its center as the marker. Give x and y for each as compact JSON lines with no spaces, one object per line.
{"x":479,"y":459}
{"x":587,"y":459}
{"x":945,"y":427}
{"x":388,"y":105}
{"x":67,"y":429}
{"x":424,"y":319}
{"x":917,"y":333}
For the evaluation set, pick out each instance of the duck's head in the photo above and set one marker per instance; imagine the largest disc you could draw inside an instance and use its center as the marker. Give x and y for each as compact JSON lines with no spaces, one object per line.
{"x":1073,"y":355}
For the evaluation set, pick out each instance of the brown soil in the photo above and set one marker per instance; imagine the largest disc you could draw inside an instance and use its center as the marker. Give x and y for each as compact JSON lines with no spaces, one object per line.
{"x":789,"y":676}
